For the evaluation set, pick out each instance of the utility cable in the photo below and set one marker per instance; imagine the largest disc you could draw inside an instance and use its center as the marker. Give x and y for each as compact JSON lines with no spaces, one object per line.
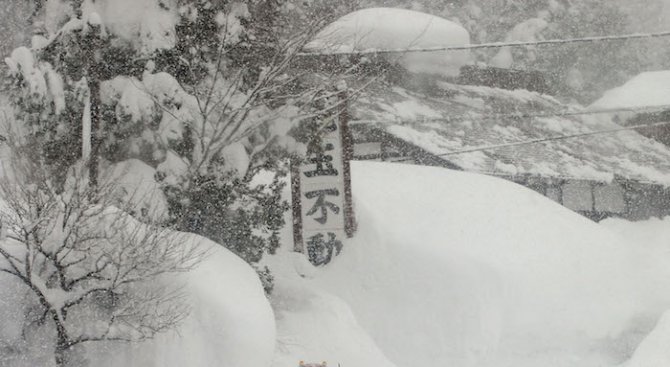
{"x":593,"y":39}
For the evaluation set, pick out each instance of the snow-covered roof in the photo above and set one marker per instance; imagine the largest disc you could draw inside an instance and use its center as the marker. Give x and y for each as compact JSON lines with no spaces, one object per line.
{"x":649,"y":89}
{"x":483,"y":120}
{"x":383,"y":29}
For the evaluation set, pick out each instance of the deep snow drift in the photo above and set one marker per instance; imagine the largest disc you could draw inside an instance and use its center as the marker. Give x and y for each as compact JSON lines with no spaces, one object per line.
{"x":231,"y":323}
{"x":448,"y":268}
{"x":457,"y":269}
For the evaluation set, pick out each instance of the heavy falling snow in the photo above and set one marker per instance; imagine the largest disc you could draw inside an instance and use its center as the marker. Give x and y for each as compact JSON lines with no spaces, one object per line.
{"x":350,"y":183}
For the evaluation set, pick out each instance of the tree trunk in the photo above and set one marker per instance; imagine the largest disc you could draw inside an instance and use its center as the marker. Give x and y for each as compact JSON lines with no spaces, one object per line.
{"x":63,"y":344}
{"x":94,"y":87}
{"x":63,"y":356}
{"x":60,"y":355}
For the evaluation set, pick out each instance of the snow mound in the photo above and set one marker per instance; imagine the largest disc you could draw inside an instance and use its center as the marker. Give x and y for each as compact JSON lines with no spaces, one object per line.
{"x":231,"y":322}
{"x":655,"y":349}
{"x":390,"y":29}
{"x":649,"y":89}
{"x":650,"y":241}
{"x":315,"y":326}
{"x":453,"y":268}
{"x":15,"y":352}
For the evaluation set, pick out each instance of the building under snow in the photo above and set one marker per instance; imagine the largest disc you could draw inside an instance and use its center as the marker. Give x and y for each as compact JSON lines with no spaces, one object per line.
{"x":380,"y":29}
{"x":478,"y":129}
{"x":431,"y":117}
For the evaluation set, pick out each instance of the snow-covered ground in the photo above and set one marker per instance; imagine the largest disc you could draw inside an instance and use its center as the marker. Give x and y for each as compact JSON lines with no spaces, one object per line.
{"x":230,"y":324}
{"x":458,"y":269}
{"x":448,"y":268}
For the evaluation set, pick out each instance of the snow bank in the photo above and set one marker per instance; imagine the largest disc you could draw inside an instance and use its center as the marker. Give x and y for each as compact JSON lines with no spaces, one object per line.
{"x":650,"y":242}
{"x":391,"y":28}
{"x":655,"y":349}
{"x":649,"y":89}
{"x":231,"y":323}
{"x":15,"y":352}
{"x":315,"y":326}
{"x":452,"y":268}
{"x":448,"y":268}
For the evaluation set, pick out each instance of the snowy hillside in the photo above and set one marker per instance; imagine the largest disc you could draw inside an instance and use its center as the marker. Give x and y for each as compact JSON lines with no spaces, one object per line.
{"x":456,"y":269}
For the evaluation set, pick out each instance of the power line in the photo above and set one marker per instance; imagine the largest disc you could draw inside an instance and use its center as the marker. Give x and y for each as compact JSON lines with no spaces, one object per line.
{"x":455,"y":118}
{"x":593,"y":39}
{"x":542,"y":140}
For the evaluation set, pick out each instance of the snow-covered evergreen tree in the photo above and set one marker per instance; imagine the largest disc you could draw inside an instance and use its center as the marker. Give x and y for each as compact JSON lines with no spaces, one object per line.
{"x":196,"y":89}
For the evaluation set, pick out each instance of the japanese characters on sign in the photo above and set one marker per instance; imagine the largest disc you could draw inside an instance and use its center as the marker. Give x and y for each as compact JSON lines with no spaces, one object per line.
{"x":322,"y":197}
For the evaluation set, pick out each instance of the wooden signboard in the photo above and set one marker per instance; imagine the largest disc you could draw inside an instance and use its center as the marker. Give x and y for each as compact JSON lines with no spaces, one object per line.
{"x":321,"y":187}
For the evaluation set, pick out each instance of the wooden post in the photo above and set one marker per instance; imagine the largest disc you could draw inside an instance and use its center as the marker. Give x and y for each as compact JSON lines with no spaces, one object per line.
{"x":323,"y":212}
{"x":298,"y":245}
{"x":347,"y":156}
{"x":94,"y":69}
{"x":94,"y":87}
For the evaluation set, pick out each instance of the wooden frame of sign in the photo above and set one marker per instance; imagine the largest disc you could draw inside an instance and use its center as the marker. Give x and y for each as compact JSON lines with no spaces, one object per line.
{"x":323,"y":213}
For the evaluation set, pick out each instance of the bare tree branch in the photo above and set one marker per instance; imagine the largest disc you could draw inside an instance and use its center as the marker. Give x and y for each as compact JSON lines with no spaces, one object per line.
{"x":83,"y":259}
